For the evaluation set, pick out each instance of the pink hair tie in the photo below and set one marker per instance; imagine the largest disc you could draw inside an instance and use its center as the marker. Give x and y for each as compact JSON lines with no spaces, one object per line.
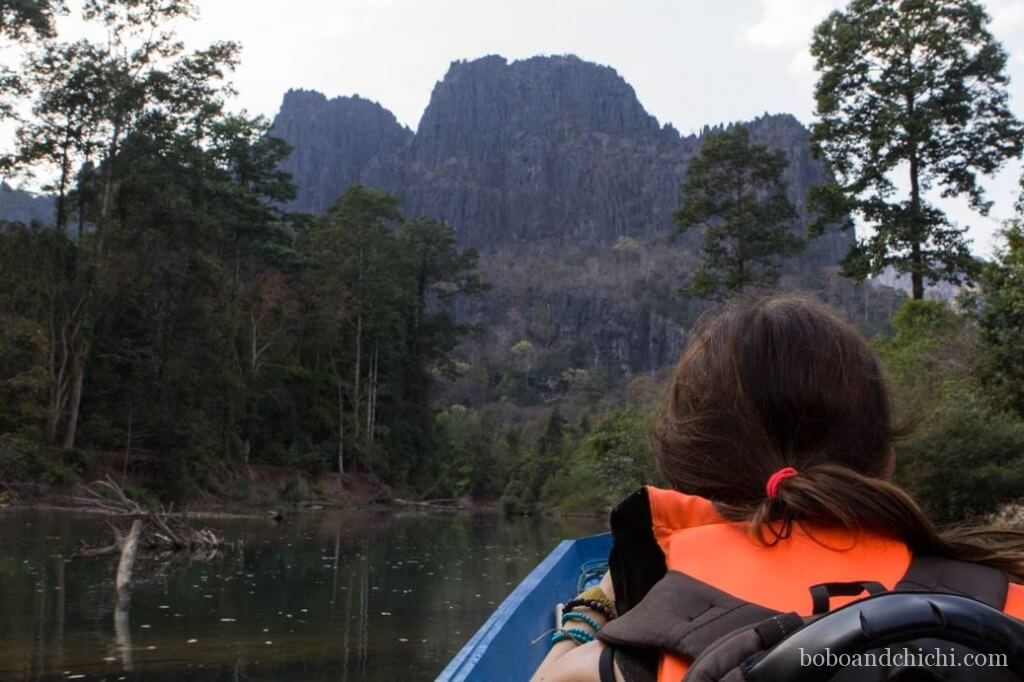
{"x":772,"y":486}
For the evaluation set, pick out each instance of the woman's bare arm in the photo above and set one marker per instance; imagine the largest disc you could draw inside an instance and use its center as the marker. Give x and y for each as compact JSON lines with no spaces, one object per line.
{"x":571,"y":662}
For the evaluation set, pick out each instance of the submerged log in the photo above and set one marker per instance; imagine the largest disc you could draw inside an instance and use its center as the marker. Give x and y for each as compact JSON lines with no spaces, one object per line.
{"x":122,"y":587}
{"x":124,"y":567}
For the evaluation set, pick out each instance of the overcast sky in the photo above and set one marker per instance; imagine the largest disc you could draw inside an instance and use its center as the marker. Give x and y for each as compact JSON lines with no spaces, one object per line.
{"x":691,"y":62}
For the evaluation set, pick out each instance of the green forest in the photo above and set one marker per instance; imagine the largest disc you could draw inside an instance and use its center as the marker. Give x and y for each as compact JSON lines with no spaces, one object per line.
{"x":177,"y":329}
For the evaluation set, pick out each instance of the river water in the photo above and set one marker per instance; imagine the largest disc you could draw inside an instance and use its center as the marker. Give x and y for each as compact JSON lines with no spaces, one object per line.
{"x":322,"y":596}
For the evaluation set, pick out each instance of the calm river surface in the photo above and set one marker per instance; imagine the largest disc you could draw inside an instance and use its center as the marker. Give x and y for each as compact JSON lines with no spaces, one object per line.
{"x":323,"y":596}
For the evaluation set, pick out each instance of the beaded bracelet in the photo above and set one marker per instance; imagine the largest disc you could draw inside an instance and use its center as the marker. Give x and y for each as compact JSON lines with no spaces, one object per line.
{"x":581,"y":617}
{"x":592,"y":604}
{"x":577,"y":635}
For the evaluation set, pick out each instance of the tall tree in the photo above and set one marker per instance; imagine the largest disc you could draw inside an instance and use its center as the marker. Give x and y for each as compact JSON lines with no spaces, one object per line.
{"x":911,"y":88}
{"x":92,"y":98}
{"x":355,"y":271}
{"x":435,"y":271}
{"x":734,"y":189}
{"x":254,"y":247}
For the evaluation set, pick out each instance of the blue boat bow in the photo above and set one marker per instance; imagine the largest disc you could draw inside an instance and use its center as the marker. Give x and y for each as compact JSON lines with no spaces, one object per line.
{"x":500,"y":651}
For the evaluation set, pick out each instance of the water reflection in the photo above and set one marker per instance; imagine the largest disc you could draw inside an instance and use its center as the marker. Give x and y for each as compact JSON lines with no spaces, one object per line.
{"x":322,"y":597}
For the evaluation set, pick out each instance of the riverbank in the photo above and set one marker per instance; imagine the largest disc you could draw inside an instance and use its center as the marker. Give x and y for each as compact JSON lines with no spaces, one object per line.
{"x":44,"y":478}
{"x":51,"y":480}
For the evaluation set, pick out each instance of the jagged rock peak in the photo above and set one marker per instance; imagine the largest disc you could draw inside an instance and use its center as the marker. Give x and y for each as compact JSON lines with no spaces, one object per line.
{"x":782,"y":123}
{"x":333,"y":140}
{"x":539,"y":95}
{"x":300,"y":98}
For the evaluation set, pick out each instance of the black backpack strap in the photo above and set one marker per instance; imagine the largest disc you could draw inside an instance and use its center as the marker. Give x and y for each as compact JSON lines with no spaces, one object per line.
{"x":635,"y":665}
{"x":934,"y":574}
{"x":683,"y":615}
{"x":636,"y":560}
{"x":606,"y":666}
{"x":638,"y":665}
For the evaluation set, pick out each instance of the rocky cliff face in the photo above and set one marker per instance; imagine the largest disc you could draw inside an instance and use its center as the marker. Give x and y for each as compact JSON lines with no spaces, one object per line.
{"x":333,"y":141}
{"x":552,"y":149}
{"x":552,"y":168}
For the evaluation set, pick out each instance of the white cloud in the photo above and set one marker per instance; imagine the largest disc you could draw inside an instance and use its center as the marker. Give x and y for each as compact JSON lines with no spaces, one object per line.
{"x":787,"y":25}
{"x":1007,"y":16}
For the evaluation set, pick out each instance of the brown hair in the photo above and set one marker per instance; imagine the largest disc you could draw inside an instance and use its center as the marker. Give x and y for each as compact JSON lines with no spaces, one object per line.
{"x":784,"y":381}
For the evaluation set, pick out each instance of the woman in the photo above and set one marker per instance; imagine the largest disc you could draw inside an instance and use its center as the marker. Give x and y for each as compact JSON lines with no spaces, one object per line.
{"x":777,"y":441}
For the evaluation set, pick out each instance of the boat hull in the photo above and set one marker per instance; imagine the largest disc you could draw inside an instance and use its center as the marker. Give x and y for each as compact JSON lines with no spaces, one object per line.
{"x":500,"y":650}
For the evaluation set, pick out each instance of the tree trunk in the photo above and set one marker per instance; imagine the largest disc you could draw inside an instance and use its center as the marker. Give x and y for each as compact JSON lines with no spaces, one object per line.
{"x":127,"y":448}
{"x":106,"y":191}
{"x":916,"y":259}
{"x":371,"y":407}
{"x":356,"y":383}
{"x":81,"y":212}
{"x":917,"y":234}
{"x":61,"y":209}
{"x":58,"y":370}
{"x":341,"y":432}
{"x":916,"y":278}
{"x":77,"y":379}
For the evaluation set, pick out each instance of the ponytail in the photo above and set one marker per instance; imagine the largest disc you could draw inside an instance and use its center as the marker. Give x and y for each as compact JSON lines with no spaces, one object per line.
{"x":828,"y":495}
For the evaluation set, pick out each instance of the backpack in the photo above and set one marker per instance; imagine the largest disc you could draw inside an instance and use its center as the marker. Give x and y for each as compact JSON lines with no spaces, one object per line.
{"x":943,"y":621}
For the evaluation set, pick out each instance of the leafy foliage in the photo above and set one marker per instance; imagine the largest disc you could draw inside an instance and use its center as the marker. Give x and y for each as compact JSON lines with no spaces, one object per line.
{"x":613,"y":460}
{"x":967,"y":463}
{"x":965,"y":456}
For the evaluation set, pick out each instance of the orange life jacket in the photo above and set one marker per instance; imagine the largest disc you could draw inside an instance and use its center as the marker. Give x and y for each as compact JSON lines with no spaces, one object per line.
{"x":694,"y":539}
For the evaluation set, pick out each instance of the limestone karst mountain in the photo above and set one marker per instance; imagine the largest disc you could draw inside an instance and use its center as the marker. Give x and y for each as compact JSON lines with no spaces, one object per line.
{"x":556,"y":173}
{"x":544,"y":149}
{"x":333,"y":140}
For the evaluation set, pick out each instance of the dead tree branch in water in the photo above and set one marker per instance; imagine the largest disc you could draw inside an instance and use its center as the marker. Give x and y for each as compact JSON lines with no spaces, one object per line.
{"x":160,"y":530}
{"x":108,"y":496}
